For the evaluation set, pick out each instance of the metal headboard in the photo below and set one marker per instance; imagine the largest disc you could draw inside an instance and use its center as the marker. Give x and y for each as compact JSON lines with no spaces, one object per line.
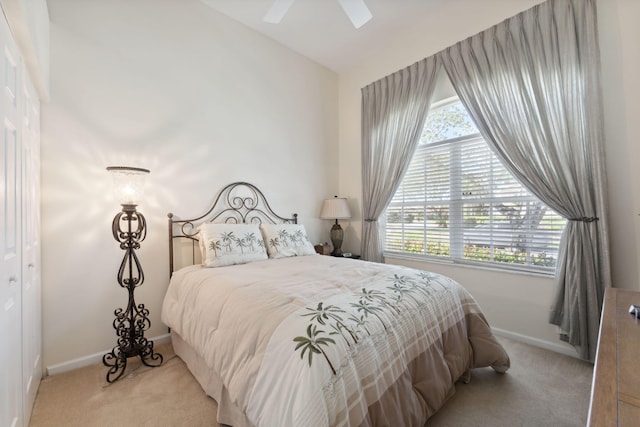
{"x":237,"y":203}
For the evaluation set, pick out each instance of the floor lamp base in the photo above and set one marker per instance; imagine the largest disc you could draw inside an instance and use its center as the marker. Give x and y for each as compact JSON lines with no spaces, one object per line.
{"x":116,"y":359}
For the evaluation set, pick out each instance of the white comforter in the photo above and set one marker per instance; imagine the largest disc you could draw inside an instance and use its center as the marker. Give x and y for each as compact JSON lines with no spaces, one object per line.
{"x":320,"y":341}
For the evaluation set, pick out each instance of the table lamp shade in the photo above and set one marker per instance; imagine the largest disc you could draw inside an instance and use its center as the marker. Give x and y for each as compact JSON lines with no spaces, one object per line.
{"x":335,"y":208}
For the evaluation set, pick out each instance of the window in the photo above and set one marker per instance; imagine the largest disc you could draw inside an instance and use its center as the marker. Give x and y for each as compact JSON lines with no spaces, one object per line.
{"x":458,"y":202}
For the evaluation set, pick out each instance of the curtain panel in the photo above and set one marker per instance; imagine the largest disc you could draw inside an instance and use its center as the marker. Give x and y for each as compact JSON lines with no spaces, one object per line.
{"x":532,"y":86}
{"x":394,"y":110}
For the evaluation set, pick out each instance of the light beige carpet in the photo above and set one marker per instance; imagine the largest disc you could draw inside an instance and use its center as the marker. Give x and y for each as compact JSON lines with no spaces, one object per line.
{"x":542,"y":388}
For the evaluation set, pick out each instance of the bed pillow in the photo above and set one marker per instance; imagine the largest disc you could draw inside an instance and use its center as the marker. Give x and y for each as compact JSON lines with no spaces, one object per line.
{"x":228,"y":244}
{"x":285,"y":240}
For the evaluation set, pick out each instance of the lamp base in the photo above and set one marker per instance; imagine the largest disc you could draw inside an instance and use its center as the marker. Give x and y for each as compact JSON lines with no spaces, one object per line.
{"x":337,"y":235}
{"x":130,"y":328}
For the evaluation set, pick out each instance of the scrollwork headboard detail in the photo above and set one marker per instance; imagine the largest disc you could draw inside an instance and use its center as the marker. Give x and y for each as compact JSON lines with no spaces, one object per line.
{"x":237,"y":203}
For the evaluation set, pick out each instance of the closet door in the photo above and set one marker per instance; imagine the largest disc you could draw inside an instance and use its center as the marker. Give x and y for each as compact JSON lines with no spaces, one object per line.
{"x":31,"y":290}
{"x":11,"y":409}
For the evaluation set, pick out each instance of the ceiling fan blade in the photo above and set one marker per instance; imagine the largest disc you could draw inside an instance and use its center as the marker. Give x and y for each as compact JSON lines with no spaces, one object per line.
{"x":357,"y":11}
{"x":277,"y":11}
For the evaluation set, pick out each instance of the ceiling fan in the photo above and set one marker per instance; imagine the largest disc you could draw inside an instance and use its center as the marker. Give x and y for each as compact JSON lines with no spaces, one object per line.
{"x":356,"y":10}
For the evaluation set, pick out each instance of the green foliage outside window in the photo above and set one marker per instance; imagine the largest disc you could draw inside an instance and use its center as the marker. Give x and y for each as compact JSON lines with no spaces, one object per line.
{"x":475,"y":253}
{"x":447,"y":122}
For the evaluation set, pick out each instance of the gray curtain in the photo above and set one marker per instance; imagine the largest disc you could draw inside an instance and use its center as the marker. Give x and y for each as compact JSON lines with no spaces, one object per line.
{"x":532,"y":86}
{"x":394,"y":110}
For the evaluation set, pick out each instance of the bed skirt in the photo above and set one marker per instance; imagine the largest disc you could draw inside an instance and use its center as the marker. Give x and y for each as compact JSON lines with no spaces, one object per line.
{"x":228,"y":412}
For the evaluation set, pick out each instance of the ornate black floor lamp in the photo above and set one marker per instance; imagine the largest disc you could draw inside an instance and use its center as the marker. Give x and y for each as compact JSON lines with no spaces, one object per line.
{"x":129,"y":229}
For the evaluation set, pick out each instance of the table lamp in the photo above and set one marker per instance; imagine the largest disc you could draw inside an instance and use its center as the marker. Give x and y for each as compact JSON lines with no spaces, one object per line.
{"x":336,"y":208}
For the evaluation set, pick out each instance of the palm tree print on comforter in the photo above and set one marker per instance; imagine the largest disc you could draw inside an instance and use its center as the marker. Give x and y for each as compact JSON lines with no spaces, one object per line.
{"x":353,"y":321}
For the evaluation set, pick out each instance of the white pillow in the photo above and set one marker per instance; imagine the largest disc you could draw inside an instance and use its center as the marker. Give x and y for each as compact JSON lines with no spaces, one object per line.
{"x":285,"y":240}
{"x":227,"y":244}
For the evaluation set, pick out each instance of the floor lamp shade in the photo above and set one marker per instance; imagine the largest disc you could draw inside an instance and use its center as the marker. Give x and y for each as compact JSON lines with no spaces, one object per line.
{"x":336,"y":208}
{"x":128,"y":183}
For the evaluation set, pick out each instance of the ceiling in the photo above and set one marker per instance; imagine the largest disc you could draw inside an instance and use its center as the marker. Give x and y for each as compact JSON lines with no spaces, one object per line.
{"x":321,"y":31}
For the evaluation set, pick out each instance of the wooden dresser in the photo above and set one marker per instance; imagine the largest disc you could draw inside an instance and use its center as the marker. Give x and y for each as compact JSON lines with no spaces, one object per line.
{"x":615,"y":392}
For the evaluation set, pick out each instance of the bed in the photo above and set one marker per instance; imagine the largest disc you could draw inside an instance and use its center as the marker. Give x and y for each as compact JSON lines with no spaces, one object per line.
{"x":281,"y":336}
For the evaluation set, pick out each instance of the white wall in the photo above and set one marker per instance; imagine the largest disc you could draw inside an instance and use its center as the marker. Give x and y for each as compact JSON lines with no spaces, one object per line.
{"x":199,"y":100}
{"x":619,"y":35}
{"x":518,"y":304}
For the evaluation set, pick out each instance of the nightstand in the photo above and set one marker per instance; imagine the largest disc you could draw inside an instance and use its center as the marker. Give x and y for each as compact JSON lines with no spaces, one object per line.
{"x":351,"y":256}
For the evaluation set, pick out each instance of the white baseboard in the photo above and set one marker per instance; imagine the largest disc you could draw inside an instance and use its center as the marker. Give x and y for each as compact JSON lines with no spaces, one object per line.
{"x":97,"y":357}
{"x":547,"y":345}
{"x":92,"y":359}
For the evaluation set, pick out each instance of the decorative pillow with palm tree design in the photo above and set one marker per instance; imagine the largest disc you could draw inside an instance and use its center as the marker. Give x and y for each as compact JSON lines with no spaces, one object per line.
{"x":285,"y":240}
{"x":228,"y":244}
